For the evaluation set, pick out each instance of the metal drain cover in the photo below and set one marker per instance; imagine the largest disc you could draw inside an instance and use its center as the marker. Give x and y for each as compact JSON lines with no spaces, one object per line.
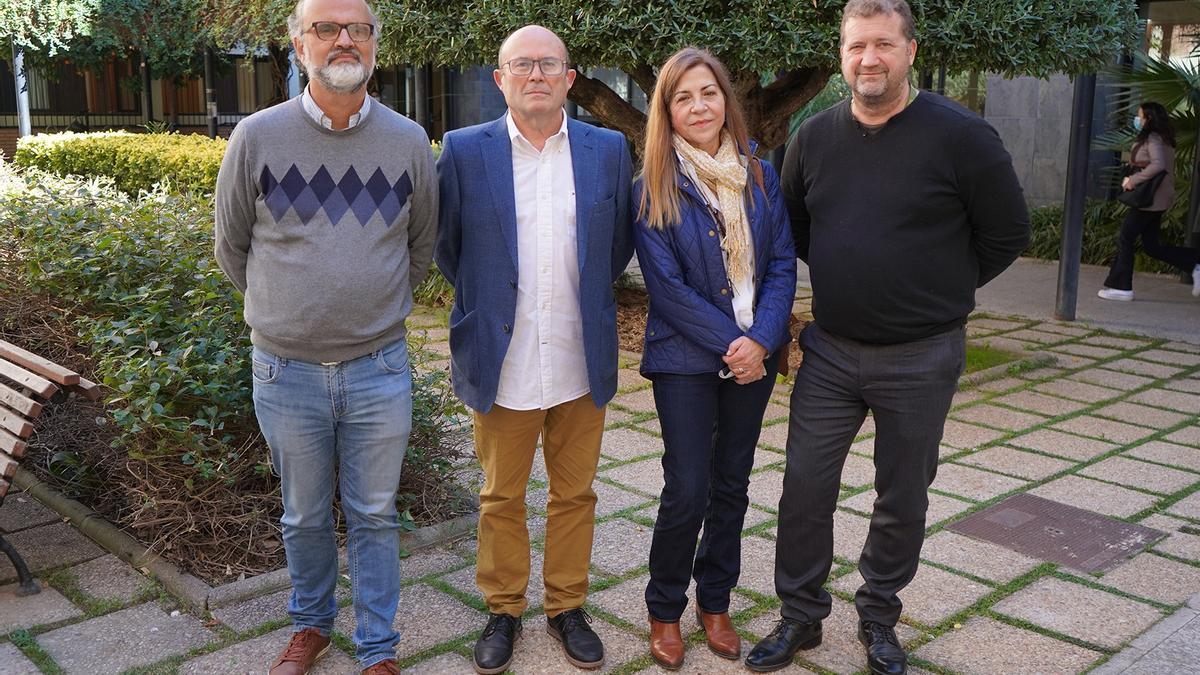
{"x":1045,"y":529}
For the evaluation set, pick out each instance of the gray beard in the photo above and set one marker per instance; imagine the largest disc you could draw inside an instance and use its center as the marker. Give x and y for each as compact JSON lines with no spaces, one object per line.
{"x":341,"y":78}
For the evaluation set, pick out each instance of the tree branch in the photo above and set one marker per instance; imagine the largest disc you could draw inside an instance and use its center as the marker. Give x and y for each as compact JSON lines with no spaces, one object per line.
{"x":645,"y":78}
{"x":795,"y":87}
{"x":609,"y":108}
{"x":769,"y":110}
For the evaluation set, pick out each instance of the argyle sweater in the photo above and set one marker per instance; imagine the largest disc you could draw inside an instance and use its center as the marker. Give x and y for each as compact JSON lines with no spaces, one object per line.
{"x":326,"y":232}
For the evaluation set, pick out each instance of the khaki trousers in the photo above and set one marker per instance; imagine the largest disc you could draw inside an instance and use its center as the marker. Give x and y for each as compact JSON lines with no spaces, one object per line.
{"x":505,"y":442}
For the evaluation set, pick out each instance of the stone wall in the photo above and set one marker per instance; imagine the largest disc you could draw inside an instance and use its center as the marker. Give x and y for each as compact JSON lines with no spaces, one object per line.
{"x":1033,"y":118}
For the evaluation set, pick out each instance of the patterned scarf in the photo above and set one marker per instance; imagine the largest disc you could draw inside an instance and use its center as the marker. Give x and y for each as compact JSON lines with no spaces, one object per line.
{"x":726,"y":176}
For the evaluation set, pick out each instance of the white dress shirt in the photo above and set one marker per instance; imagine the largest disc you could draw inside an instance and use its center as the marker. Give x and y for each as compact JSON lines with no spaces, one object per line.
{"x":314,"y":111}
{"x":545,"y":363}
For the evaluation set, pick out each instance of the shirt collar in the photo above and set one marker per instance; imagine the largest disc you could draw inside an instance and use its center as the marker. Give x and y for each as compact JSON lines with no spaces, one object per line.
{"x":319,"y":116}
{"x":514,"y":133}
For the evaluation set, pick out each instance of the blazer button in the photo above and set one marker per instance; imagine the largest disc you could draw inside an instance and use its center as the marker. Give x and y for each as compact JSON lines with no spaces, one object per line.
{"x":724,"y":291}
{"x":651,"y":333}
{"x":506,"y":327}
{"x":712,"y":233}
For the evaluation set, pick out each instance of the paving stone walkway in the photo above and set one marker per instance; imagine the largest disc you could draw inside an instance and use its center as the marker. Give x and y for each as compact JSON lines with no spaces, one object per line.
{"x":1112,"y":426}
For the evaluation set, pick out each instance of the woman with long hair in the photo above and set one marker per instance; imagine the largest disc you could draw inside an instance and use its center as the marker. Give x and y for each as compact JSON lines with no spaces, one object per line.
{"x":1153,"y":153}
{"x":715,"y":248}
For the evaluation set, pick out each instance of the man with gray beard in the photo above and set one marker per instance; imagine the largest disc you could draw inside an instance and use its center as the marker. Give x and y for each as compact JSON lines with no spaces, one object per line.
{"x":326,"y":213}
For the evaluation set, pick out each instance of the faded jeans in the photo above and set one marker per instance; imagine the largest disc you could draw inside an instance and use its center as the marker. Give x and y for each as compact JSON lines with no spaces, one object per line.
{"x":353,"y":417}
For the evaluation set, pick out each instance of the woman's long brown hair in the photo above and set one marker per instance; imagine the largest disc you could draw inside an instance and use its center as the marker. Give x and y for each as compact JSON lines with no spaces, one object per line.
{"x":660,"y":196}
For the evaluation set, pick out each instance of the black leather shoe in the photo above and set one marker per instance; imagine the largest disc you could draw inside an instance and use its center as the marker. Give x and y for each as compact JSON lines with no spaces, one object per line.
{"x":885,"y":656}
{"x":494,"y":649}
{"x":777,"y":649}
{"x":580,"y":643}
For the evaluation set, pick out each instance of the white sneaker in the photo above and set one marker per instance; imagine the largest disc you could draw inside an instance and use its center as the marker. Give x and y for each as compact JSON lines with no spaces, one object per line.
{"x":1114,"y":294}
{"x":1196,"y":281}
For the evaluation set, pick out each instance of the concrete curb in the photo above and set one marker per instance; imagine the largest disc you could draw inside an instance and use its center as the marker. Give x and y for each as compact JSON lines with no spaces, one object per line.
{"x":184,"y":586}
{"x":194,"y":592}
{"x":1151,"y":639}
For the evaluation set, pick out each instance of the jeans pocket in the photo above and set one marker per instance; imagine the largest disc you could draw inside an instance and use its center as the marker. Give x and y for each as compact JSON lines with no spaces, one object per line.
{"x":264,"y":367}
{"x":394,"y":358}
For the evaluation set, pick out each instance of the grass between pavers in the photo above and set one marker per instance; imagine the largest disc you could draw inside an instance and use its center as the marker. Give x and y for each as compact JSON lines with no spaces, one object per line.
{"x":763,"y":605}
{"x":27,"y":643}
{"x":66,"y":582}
{"x":1082,"y":579}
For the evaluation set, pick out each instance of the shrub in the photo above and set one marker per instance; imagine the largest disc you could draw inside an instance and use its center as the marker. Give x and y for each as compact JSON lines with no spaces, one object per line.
{"x":134,"y":162}
{"x":165,"y":331}
{"x":1101,"y":223}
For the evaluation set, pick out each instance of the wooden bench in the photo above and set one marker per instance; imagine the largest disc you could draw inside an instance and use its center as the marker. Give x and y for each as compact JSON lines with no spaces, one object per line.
{"x":28,"y":383}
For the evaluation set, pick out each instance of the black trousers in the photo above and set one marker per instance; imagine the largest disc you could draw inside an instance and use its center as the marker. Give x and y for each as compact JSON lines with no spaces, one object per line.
{"x":1145,"y":224}
{"x":908,"y":387}
{"x":710,"y":428}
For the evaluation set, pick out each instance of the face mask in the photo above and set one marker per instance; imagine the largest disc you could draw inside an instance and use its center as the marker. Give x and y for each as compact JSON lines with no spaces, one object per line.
{"x":1137,"y":124}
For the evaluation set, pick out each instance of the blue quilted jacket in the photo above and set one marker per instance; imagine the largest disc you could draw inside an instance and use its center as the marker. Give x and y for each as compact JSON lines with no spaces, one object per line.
{"x":691,"y":319}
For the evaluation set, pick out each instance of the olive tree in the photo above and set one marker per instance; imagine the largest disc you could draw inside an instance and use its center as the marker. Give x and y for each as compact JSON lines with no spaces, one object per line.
{"x":780,"y":53}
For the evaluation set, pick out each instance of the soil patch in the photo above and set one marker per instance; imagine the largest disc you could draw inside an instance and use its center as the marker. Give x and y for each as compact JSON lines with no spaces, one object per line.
{"x":218,"y":530}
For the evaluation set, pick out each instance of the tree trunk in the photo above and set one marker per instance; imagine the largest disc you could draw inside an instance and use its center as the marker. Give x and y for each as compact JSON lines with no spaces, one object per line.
{"x":768,"y":109}
{"x":614,"y":111}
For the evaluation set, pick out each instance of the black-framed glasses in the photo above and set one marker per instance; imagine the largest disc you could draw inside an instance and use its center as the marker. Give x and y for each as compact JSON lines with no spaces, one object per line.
{"x":522,"y":67}
{"x":330,"y":30}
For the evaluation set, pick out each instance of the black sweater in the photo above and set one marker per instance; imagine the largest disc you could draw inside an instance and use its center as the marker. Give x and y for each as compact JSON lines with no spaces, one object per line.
{"x":899,"y":227}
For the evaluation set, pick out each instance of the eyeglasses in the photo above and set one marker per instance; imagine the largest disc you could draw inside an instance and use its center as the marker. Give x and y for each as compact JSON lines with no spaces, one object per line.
{"x":549,"y":66}
{"x":330,"y":30}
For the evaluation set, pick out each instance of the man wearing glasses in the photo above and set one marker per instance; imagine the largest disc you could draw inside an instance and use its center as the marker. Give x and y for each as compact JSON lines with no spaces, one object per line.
{"x":326,"y":217}
{"x":535,"y":227}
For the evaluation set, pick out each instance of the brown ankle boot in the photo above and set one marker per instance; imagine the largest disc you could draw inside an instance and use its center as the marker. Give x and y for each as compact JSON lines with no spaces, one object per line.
{"x":722,"y":639}
{"x":666,"y":644}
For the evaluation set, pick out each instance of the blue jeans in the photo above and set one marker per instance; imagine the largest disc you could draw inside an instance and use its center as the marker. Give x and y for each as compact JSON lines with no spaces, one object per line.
{"x":354,"y":417}
{"x":710,"y":428}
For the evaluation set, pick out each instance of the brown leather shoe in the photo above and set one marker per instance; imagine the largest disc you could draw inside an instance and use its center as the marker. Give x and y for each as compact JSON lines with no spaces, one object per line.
{"x":384,"y":667}
{"x":666,"y":644}
{"x":722,"y":639}
{"x":304,"y":649}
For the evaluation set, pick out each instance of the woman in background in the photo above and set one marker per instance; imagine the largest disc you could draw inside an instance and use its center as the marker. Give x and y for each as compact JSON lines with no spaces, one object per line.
{"x":1153,"y":153}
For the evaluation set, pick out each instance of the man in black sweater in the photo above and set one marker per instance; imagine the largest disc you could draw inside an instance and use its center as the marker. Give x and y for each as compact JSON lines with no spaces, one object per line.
{"x":902,"y":204}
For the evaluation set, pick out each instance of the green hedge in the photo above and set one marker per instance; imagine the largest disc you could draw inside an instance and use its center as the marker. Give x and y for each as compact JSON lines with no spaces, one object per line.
{"x":135,"y":162}
{"x":1101,"y":223}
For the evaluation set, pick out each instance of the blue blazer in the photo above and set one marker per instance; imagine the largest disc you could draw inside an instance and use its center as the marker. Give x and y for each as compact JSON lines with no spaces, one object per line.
{"x":691,"y":319}
{"x":477,"y":251}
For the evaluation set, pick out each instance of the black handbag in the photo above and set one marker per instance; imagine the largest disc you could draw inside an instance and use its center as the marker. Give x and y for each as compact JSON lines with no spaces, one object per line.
{"x":1142,"y":194}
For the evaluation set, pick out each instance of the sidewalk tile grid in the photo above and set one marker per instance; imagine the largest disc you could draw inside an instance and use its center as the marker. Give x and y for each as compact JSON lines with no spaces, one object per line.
{"x":137,"y":636}
{"x":1008,"y":435}
{"x":13,"y":662}
{"x":1092,"y":495}
{"x":1076,"y":390}
{"x":1144,"y":475}
{"x":977,"y":558}
{"x":1105,"y":429}
{"x":1168,"y":453}
{"x":1154,"y":577}
{"x":1143,"y":415}
{"x":984,"y":645}
{"x":1087,"y":614}
{"x":1017,"y":462}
